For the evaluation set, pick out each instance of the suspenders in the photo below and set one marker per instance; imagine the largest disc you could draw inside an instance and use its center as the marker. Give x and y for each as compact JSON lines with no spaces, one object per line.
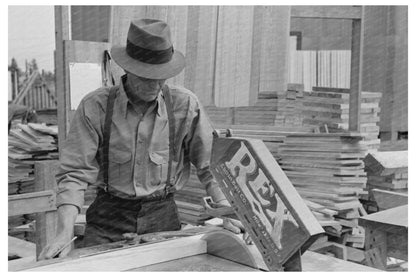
{"x":107,"y":133}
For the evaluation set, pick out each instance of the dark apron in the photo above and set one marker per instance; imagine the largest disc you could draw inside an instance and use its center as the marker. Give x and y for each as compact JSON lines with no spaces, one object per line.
{"x":109,"y":217}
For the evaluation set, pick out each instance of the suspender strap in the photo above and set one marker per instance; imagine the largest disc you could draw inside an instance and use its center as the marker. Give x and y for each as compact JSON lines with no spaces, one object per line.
{"x":171,"y":121}
{"x":107,"y":133}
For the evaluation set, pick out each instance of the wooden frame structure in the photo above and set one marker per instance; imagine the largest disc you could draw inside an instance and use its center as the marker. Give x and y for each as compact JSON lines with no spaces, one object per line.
{"x":42,"y":202}
{"x":356,"y":14}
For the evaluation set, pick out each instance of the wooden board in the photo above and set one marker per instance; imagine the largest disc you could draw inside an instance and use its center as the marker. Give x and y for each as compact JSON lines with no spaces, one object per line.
{"x":21,"y":248}
{"x":129,"y":258}
{"x":393,"y":217}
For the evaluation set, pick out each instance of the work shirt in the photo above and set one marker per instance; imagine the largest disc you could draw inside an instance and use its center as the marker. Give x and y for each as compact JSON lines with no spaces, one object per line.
{"x":139,"y":146}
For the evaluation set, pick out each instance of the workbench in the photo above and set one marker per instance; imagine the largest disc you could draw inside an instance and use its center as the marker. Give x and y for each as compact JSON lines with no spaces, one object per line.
{"x":386,"y":235}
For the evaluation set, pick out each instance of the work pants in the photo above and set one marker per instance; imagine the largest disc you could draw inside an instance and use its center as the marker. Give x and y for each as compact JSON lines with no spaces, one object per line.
{"x":109,"y":217}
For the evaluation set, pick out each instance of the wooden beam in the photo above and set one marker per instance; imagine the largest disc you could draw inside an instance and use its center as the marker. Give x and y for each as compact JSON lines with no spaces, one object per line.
{"x":356,"y":73}
{"x":133,"y":257}
{"x":46,"y":222}
{"x":21,"y":248}
{"x":327,"y":12}
{"x":61,"y":34}
{"x":33,"y":202}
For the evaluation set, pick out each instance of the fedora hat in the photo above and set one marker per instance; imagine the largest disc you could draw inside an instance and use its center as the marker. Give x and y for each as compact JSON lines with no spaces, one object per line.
{"x":149,"y":51}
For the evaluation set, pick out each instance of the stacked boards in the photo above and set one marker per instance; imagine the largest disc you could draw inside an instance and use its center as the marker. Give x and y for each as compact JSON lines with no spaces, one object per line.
{"x":189,"y":201}
{"x":328,"y":172}
{"x":26,"y":145}
{"x":387,"y":172}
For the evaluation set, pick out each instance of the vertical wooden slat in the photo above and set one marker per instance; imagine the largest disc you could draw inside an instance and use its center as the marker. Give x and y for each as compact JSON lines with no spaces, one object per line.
{"x":177,"y":18}
{"x":275,"y":49}
{"x":233,"y":64}
{"x":256,"y":55}
{"x":356,"y":70}
{"x":45,"y":172}
{"x":61,"y":33}
{"x":200,"y":51}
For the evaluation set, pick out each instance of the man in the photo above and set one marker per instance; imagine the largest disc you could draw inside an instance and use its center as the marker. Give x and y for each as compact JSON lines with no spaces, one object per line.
{"x":136,"y":142}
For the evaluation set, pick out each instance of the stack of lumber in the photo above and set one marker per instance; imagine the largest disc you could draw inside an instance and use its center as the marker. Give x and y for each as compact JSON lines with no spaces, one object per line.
{"x":189,"y":201}
{"x":326,"y":107}
{"x":388,"y":172}
{"x":328,"y":172}
{"x":27,"y":144}
{"x":289,"y":107}
{"x":370,"y":118}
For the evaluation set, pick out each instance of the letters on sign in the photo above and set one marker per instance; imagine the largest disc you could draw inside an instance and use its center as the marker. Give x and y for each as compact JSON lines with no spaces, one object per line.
{"x":258,"y":192}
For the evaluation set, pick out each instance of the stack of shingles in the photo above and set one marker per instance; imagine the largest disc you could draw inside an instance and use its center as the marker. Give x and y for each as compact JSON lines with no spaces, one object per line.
{"x":328,"y":172}
{"x":386,"y":171}
{"x":27,"y":144}
{"x":189,"y":201}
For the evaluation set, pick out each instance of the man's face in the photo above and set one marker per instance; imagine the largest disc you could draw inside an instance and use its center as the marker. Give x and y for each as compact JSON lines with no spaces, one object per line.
{"x":145,"y":89}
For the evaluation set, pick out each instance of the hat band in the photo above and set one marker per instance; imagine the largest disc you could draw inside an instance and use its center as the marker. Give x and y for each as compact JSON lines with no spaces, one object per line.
{"x":149,"y":56}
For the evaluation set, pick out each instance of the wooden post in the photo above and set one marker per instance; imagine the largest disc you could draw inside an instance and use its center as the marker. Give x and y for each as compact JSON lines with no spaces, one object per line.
{"x":45,"y":172}
{"x":61,"y":34}
{"x":356,"y":72}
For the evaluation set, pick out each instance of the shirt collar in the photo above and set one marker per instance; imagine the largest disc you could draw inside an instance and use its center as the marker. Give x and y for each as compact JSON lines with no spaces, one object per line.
{"x":124,"y":100}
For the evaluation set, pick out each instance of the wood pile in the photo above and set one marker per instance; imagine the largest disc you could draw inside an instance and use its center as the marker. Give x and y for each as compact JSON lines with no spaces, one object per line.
{"x":325,"y":106}
{"x":328,"y":172}
{"x":189,"y":201}
{"x":27,"y":144}
{"x":386,"y":171}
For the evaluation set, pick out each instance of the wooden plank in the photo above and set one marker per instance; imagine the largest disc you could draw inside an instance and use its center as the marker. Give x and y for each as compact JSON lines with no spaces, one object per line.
{"x":61,"y":34}
{"x":134,"y":257}
{"x":45,"y":172}
{"x":389,"y":199}
{"x":395,"y":217}
{"x":33,"y":202}
{"x":274,"y":49}
{"x":334,"y":12}
{"x":233,"y":56}
{"x":198,"y":263}
{"x":21,"y":248}
{"x":356,"y":72}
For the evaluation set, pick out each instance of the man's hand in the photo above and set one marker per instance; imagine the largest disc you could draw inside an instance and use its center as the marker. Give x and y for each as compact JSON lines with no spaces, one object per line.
{"x":67,"y":215}
{"x":56,"y":248}
{"x":234,"y":225}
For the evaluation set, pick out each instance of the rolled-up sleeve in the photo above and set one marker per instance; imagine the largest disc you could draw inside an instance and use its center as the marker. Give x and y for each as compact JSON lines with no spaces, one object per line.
{"x":78,"y":164}
{"x":200,"y":145}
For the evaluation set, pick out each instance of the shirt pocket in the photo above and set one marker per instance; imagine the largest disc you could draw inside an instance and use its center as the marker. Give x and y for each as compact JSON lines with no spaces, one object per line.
{"x":119,"y":167}
{"x":158,"y":167}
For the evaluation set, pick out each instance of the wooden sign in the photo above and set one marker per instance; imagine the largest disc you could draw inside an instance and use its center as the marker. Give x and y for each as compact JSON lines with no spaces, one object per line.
{"x":265,"y":201}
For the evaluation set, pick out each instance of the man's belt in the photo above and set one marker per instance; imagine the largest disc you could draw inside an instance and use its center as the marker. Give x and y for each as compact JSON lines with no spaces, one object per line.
{"x":159,"y":195}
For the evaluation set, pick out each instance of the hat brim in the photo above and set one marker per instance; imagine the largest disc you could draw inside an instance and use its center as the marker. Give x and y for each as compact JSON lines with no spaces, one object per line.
{"x":146,"y":70}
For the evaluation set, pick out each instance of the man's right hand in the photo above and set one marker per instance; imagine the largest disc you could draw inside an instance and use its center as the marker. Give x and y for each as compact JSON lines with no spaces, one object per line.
{"x":56,"y":247}
{"x":67,"y":215}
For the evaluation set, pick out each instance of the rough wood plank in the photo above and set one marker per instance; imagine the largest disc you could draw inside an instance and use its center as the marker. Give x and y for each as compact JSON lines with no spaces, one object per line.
{"x":61,"y":34}
{"x":134,"y":257}
{"x":45,"y":172}
{"x":34,"y":202}
{"x":389,"y":199}
{"x":356,"y":72}
{"x":335,"y":12}
{"x":21,"y":248}
{"x":395,"y":217}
